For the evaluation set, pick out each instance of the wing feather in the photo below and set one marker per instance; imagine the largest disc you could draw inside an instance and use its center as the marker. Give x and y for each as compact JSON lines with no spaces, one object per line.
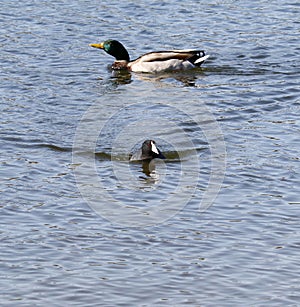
{"x":183,"y":55}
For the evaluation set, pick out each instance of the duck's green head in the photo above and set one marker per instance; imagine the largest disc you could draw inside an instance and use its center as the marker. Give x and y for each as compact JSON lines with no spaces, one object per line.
{"x":114,"y":48}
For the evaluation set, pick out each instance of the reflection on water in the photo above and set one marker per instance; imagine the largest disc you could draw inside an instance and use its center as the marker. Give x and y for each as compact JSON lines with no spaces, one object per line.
{"x":186,"y":78}
{"x":148,"y":168}
{"x":120,"y":77}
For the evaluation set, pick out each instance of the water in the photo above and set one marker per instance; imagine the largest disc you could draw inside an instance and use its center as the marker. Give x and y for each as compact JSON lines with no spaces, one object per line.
{"x":217,"y":223}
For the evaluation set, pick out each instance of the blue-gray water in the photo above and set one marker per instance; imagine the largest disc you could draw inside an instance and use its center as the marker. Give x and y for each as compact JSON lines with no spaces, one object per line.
{"x":243,"y":250}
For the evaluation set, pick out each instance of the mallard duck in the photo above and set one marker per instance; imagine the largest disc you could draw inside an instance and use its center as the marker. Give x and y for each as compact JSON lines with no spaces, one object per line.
{"x":148,"y":151}
{"x":152,"y":61}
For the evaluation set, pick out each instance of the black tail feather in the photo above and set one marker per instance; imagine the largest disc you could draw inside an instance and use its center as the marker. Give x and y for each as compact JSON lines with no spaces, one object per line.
{"x":198,"y":54}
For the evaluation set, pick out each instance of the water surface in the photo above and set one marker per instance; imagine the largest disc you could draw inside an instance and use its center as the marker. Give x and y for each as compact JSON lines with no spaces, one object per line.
{"x":243,"y":249}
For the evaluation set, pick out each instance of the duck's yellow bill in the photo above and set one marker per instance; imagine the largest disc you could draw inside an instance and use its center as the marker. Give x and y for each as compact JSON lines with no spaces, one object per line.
{"x":100,"y":46}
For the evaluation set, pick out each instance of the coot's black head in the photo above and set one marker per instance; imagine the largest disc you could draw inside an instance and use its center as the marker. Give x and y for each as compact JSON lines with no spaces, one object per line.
{"x":150,"y":151}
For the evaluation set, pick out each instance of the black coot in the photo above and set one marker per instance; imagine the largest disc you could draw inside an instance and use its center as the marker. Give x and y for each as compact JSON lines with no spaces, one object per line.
{"x":148,"y":151}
